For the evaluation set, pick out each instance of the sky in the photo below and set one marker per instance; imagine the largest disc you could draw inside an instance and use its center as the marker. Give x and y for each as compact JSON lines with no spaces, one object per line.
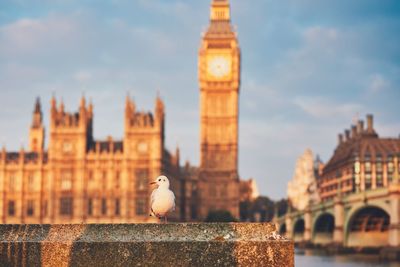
{"x":309,"y":69}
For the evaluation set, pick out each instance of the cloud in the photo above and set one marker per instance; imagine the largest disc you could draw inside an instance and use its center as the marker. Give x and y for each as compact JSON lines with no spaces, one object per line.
{"x":377,"y":84}
{"x":83,"y":76}
{"x":322,"y":108}
{"x":24,"y":38}
{"x":321,"y":35}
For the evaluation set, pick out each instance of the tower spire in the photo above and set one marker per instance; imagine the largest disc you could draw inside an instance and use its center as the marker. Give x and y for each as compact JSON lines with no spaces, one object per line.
{"x":36,"y":132}
{"x":37,"y":114}
{"x":38,"y":108}
{"x":83,"y":101}
{"x":220,"y":10}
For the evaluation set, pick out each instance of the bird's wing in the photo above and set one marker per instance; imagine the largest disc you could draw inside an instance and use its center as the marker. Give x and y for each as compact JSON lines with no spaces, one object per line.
{"x":173,"y":197}
{"x":152,"y":197}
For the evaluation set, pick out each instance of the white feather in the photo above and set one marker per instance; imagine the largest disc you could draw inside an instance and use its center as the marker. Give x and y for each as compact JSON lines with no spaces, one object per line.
{"x":162,"y":199}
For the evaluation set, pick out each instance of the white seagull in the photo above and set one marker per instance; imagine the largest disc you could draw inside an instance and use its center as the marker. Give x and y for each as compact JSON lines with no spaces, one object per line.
{"x":162,"y":199}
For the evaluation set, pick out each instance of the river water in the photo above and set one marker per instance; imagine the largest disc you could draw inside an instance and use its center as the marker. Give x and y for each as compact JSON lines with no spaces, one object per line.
{"x":313,"y":258}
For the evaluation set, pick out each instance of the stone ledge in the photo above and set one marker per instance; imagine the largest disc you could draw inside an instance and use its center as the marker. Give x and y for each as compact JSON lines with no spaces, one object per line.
{"x":180,"y":244}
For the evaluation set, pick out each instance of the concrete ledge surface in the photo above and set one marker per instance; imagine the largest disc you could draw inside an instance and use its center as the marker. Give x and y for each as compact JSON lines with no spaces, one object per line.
{"x":176,"y":244}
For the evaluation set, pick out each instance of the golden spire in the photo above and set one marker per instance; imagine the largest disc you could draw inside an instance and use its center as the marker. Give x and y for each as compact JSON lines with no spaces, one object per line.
{"x":83,"y":101}
{"x":220,"y":10}
{"x":90,"y":108}
{"x":53,"y":102}
{"x":38,"y":108}
{"x":62,"y":106}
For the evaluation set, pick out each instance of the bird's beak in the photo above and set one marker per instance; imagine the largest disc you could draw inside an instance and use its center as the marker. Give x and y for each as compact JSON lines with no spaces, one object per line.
{"x":153,"y":183}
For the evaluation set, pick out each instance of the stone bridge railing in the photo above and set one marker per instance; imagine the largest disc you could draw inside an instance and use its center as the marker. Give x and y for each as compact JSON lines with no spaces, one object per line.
{"x":180,"y":244}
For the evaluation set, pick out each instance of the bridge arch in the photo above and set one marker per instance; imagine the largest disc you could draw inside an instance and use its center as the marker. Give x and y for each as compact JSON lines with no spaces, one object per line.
{"x":368,"y":226}
{"x":323,"y":228}
{"x":298,"y":230}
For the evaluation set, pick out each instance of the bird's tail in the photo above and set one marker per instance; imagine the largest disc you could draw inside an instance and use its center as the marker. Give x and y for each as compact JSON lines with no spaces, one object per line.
{"x":152,"y":214}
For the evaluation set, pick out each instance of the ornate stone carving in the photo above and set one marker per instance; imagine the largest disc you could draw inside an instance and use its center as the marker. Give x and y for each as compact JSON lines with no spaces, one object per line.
{"x":302,"y":189}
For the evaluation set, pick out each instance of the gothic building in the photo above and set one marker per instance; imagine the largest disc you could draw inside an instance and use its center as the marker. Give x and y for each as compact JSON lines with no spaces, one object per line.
{"x":78,"y":179}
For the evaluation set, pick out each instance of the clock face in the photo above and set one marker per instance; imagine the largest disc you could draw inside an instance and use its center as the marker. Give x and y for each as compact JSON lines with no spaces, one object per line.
{"x":67,"y":146}
{"x":219,"y":66}
{"x":142,"y":147}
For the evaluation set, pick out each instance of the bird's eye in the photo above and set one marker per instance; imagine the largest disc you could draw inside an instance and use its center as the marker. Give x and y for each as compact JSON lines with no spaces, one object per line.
{"x":159,"y":180}
{"x":164,"y":180}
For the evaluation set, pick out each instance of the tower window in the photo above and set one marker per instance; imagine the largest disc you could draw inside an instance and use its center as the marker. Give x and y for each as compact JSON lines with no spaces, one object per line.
{"x":30,"y":208}
{"x":390,"y":169}
{"x":44,"y":208}
{"x":66,"y":206}
{"x":140,"y":206}
{"x":11,"y":207}
{"x":117,"y":179}
{"x":367,"y":164}
{"x":379,"y":180}
{"x":141,"y":179}
{"x":66,"y":180}
{"x":117,"y":207}
{"x":104,"y":182}
{"x":379,"y":164}
{"x":90,"y":207}
{"x":104,"y":206}
{"x":12,"y":182}
{"x":31,"y":182}
{"x":368,"y":181}
{"x":357,"y":167}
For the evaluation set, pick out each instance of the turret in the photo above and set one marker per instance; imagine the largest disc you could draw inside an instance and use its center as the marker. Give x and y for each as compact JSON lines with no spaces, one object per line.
{"x":61,"y":109}
{"x":159,"y":109}
{"x":340,"y":139}
{"x":144,"y":130}
{"x":347,"y":135}
{"x":83,"y":112}
{"x":72,"y":129}
{"x":129,"y":110}
{"x":353,"y":131}
{"x":160,"y":115}
{"x":36,"y":132}
{"x":177,"y":156}
{"x":370,"y":126}
{"x":3,"y":155}
{"x":360,"y":127}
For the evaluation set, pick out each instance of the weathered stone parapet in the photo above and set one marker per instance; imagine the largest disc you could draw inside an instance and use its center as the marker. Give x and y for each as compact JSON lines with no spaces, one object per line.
{"x":180,"y":244}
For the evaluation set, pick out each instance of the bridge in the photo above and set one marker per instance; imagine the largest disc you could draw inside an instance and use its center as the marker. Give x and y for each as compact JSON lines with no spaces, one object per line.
{"x":362,"y":219}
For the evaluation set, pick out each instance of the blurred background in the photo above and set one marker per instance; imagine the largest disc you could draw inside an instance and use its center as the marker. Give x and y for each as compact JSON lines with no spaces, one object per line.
{"x":309,"y":68}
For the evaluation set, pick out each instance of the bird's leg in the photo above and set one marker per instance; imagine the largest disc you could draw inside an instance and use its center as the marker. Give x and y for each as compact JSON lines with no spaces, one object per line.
{"x":166,"y":221}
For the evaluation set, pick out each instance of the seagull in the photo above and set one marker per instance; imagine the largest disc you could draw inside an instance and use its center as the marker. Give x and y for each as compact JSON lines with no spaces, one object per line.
{"x":162,"y":198}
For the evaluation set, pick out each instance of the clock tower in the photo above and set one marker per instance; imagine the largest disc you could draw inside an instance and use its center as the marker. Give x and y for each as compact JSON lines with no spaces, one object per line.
{"x":219,"y":77}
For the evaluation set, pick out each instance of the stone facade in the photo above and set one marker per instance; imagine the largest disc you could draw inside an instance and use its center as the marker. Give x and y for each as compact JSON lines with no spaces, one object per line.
{"x":79,"y":179}
{"x":302,"y":190}
{"x":362,"y":161}
{"x":219,"y":78}
{"x":82,"y":180}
